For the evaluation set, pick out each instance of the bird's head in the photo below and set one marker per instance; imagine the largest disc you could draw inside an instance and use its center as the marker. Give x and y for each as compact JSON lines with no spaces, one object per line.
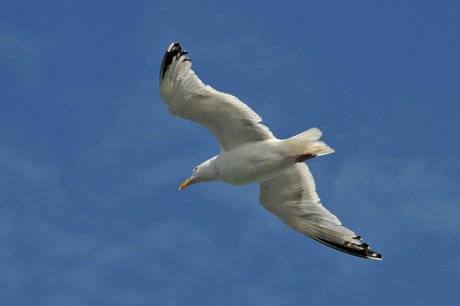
{"x":205,"y":172}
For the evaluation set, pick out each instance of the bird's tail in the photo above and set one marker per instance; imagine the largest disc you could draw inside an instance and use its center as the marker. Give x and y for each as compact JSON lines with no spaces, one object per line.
{"x":306,"y":145}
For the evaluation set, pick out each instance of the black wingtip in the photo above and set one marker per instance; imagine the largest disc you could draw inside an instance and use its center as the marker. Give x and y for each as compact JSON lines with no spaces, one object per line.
{"x":174,"y":50}
{"x":360,"y":250}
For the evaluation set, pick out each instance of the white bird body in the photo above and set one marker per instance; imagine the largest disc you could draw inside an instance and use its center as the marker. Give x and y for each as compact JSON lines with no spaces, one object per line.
{"x":253,"y":162}
{"x":251,"y":154}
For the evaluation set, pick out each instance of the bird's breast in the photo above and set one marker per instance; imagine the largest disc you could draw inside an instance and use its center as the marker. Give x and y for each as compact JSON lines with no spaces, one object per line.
{"x":252,"y":163}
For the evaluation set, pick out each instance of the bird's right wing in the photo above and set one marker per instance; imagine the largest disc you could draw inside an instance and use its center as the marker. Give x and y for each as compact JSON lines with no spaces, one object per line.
{"x":231,"y":121}
{"x":292,"y":197}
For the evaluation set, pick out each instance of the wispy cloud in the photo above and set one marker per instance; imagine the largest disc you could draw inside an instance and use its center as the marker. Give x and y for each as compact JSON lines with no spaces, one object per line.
{"x":32,"y":202}
{"x":19,"y":53}
{"x":399,"y":200}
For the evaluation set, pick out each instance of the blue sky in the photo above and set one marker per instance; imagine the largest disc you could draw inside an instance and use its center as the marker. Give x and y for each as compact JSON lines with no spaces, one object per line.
{"x":90,"y":159}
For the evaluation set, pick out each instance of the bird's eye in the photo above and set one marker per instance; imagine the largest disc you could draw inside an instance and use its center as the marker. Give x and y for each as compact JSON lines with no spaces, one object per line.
{"x":196,"y":168}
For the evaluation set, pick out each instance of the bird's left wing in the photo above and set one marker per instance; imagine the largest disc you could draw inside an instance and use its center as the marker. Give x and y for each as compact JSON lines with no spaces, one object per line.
{"x":231,"y":121}
{"x":292,"y":197}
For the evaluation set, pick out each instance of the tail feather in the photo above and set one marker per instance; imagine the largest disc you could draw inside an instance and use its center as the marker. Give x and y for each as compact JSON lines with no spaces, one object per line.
{"x":307,"y":143}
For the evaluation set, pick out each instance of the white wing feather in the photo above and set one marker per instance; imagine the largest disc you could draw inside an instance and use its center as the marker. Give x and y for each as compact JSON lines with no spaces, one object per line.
{"x":231,"y":121}
{"x":292,"y":197}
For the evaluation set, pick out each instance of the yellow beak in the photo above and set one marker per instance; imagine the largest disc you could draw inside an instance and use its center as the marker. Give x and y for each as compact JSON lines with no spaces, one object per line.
{"x":184,"y":184}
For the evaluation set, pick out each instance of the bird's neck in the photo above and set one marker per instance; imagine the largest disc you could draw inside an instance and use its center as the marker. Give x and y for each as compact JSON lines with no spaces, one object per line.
{"x":210,"y":170}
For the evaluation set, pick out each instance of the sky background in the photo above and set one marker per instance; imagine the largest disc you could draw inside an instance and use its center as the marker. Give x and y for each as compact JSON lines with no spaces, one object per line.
{"x":90,"y":159}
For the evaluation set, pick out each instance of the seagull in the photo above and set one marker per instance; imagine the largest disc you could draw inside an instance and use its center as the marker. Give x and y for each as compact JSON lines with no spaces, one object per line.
{"x":249,"y":153}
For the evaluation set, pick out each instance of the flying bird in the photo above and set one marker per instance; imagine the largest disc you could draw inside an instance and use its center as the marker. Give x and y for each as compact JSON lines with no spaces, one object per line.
{"x":249,"y":153}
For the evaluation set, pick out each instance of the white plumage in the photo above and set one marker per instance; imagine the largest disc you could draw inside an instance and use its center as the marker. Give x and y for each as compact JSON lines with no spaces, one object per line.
{"x":251,"y":154}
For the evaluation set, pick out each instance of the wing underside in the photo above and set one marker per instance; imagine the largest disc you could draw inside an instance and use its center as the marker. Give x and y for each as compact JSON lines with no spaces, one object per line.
{"x":231,"y":121}
{"x":292,"y":197}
